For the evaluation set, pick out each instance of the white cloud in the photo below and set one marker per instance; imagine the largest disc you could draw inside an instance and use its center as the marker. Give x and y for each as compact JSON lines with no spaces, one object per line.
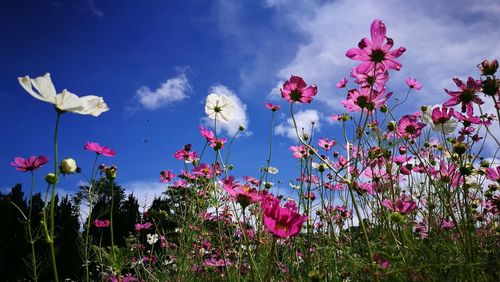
{"x":440,"y":44}
{"x":144,"y":191}
{"x":171,"y":91}
{"x":304,"y":121}
{"x":239,"y":115}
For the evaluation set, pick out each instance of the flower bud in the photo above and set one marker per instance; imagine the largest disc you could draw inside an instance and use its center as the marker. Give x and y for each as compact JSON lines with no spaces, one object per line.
{"x":51,"y":178}
{"x":488,"y":67}
{"x":241,"y":128}
{"x":391,"y":126}
{"x":68,"y":166}
{"x":490,"y":86}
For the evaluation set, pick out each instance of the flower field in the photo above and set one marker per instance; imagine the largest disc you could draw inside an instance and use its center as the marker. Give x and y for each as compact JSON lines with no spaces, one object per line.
{"x":397,"y":197}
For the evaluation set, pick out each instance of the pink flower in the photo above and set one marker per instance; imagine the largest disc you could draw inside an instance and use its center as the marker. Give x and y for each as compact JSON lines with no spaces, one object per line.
{"x":375,"y":51}
{"x":30,"y":164}
{"x":381,"y":261}
{"x":102,"y":223}
{"x":326,"y":144}
{"x":342,"y":83}
{"x":300,"y":151}
{"x":166,"y":176}
{"x":402,"y":205}
{"x":466,"y":95}
{"x":186,"y":154}
{"x":376,"y":79}
{"x":273,"y":107}
{"x":410,"y":127}
{"x":441,"y":115}
{"x":141,"y":226}
{"x":413,"y":83}
{"x":100,"y":150}
{"x":217,"y":144}
{"x":207,"y":133}
{"x":282,"y":222}
{"x":493,"y":174}
{"x":470,"y":119}
{"x":296,"y":90}
{"x":243,"y":194}
{"x":365,"y":99}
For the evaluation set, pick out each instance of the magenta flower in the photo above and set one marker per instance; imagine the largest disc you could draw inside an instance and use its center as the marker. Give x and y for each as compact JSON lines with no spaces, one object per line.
{"x":273,"y":107}
{"x":186,"y":154}
{"x":243,"y":194}
{"x":102,"y":223}
{"x":207,"y":133}
{"x":296,"y":90}
{"x":410,"y":127}
{"x":402,"y":205}
{"x":471,"y":119}
{"x":441,"y":115}
{"x":98,"y":149}
{"x":376,"y":51}
{"x":30,"y":164}
{"x":342,"y":83}
{"x":217,"y":144}
{"x":141,"y":226}
{"x":493,"y":174}
{"x":365,"y":99}
{"x":282,"y":222}
{"x":326,"y":143}
{"x":466,"y":95}
{"x":166,"y":176}
{"x":413,"y":83}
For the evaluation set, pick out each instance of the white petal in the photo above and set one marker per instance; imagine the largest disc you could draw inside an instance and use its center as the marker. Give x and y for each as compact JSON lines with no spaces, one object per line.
{"x":68,"y":101}
{"x":92,"y":105}
{"x":25,"y":82}
{"x":44,"y":86}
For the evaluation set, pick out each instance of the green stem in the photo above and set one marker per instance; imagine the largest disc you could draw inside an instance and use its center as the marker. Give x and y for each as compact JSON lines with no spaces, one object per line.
{"x":89,"y":221}
{"x":32,"y":242}
{"x":50,"y":239}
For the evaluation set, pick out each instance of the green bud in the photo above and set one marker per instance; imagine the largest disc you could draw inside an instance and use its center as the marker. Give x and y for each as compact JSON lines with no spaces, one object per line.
{"x":51,"y":178}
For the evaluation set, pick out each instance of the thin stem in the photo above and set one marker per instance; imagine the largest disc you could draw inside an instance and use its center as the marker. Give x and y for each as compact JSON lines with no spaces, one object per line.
{"x":32,"y":242}
{"x":50,"y":239}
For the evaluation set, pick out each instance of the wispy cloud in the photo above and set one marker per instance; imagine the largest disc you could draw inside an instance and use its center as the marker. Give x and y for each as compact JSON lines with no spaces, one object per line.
{"x":171,"y":91}
{"x":239,"y":116}
{"x":144,"y":191}
{"x":305,"y":120}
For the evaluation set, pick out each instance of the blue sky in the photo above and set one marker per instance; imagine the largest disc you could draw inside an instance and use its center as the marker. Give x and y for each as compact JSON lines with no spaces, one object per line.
{"x":175,"y":52}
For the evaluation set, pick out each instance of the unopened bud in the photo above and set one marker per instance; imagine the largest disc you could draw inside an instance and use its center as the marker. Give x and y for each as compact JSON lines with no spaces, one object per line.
{"x":51,"y":178}
{"x":68,"y":166}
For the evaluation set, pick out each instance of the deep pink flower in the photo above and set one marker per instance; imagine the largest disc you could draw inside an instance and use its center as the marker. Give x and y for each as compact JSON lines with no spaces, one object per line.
{"x":466,"y":95}
{"x":381,"y":261}
{"x":243,"y":194}
{"x":326,"y":143}
{"x":100,"y":150}
{"x":166,"y":176}
{"x":440,"y":116}
{"x":413,"y":83}
{"x":376,"y":51}
{"x":402,"y":205}
{"x":186,"y":154}
{"x":493,"y":174}
{"x":207,"y":133}
{"x":365,"y":99}
{"x":471,"y":119}
{"x":410,"y":127}
{"x":102,"y":223}
{"x":282,"y":222}
{"x":30,"y":164}
{"x":342,"y":83}
{"x":206,"y":171}
{"x":296,"y":90}
{"x":217,"y":144}
{"x":273,"y":107}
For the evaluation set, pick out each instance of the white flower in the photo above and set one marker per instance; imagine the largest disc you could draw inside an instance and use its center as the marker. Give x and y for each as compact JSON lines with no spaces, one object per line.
{"x":219,"y":107}
{"x":64,"y":101}
{"x":152,"y":238}
{"x":272,"y":170}
{"x":68,"y":166}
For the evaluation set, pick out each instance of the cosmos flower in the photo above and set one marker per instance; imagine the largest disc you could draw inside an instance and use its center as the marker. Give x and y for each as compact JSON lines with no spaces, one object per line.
{"x":342,"y":83}
{"x":466,"y":95}
{"x":295,"y":89}
{"x":365,"y":99}
{"x":64,"y":101}
{"x":30,"y":164}
{"x":243,"y":194}
{"x":100,"y":150}
{"x":273,"y":107}
{"x":440,"y":118}
{"x":219,"y":107}
{"x":326,"y":143}
{"x":413,"y":83}
{"x":410,"y":127}
{"x":493,"y":174}
{"x":281,"y":221}
{"x":166,"y":176}
{"x":402,"y":205}
{"x":102,"y":223}
{"x":376,"y":51}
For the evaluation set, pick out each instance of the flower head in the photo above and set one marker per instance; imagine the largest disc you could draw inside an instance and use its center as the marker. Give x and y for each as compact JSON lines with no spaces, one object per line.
{"x":342,"y":83}
{"x":100,"y":150}
{"x":166,"y":176}
{"x":295,"y":89}
{"x":413,"y":83}
{"x":30,"y":164}
{"x":376,"y":51}
{"x":326,"y":143}
{"x":365,"y":99}
{"x":410,"y":127}
{"x":243,"y":194}
{"x":102,"y":223}
{"x":64,"y":101}
{"x":281,"y":221}
{"x":219,"y":107}
{"x":273,"y":107}
{"x":466,"y":95}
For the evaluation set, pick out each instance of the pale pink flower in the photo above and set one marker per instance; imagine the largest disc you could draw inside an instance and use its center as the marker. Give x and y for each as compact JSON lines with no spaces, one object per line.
{"x":30,"y":164}
{"x":413,"y":83}
{"x":342,"y":83}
